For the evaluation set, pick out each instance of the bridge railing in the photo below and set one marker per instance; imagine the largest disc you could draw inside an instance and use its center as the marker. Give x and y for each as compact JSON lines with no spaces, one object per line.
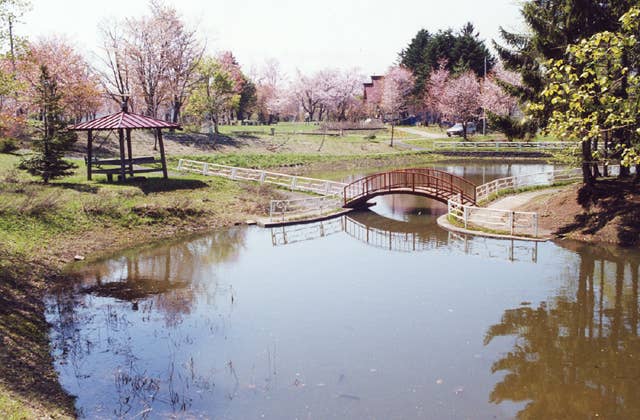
{"x":299,"y":183}
{"x":514,"y":223}
{"x":441,"y":184}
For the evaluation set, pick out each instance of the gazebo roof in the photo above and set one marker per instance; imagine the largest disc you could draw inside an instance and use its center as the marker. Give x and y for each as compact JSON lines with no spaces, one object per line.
{"x":122,"y":120}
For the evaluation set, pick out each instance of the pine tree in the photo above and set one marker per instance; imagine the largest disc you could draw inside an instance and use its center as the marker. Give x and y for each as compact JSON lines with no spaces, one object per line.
{"x":48,"y":161}
{"x":461,"y":51}
{"x":553,"y":25}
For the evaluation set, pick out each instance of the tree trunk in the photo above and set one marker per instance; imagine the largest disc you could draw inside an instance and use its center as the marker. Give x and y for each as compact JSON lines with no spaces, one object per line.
{"x":391,"y":145}
{"x":596,"y":170}
{"x":587,"y":177}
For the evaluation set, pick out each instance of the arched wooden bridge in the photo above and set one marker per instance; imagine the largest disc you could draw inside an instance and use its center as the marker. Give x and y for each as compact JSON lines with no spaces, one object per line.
{"x":426,"y":182}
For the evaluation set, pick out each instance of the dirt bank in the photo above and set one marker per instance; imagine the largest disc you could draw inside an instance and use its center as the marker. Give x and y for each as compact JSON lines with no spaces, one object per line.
{"x":607,"y":213}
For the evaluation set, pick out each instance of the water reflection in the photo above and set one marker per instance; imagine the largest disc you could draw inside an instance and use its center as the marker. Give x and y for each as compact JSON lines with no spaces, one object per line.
{"x":374,"y":315}
{"x":393,"y":235}
{"x":139,"y":293}
{"x":576,"y":355}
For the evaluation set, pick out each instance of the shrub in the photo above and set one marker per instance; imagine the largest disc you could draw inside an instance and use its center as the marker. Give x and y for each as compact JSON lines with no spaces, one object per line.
{"x":8,"y":145}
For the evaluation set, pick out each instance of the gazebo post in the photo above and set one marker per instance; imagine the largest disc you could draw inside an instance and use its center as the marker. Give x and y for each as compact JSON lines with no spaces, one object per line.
{"x":122,"y":163}
{"x":129,"y":151}
{"x":89,"y":153}
{"x":162,"y":156}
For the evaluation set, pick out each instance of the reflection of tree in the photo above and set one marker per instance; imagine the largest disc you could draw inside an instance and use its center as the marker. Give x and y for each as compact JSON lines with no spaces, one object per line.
{"x":577,"y":356}
{"x":167,"y":279}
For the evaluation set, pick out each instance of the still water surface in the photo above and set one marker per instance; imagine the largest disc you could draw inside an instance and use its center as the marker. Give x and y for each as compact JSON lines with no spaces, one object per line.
{"x":373,"y":315}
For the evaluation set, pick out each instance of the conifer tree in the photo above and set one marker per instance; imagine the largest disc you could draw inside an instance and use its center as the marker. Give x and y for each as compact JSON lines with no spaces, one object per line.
{"x":48,"y":161}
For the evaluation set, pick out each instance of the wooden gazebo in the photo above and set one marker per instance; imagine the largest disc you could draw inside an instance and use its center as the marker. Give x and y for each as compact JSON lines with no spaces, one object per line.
{"x":123,"y":122}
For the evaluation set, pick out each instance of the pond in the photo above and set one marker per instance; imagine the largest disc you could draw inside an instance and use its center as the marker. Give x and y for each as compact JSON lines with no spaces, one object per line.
{"x":372,"y":315}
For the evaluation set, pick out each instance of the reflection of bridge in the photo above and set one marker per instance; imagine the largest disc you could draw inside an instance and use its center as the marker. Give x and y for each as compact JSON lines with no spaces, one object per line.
{"x":426,"y":182}
{"x":393,"y":235}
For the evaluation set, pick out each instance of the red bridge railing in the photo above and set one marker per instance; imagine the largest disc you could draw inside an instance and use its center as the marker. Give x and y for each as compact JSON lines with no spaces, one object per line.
{"x":424,"y":181}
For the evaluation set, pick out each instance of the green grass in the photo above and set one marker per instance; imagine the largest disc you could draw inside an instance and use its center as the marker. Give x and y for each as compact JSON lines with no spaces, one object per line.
{"x":281,"y":160}
{"x":33,"y":215}
{"x":11,"y":409}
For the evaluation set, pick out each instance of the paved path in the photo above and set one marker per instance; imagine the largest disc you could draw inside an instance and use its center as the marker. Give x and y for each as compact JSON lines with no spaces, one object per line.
{"x":517,"y":201}
{"x":421,"y":133}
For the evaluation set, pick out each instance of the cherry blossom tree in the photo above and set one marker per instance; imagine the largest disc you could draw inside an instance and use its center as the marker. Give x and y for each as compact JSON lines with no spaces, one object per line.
{"x":338,"y":91}
{"x":395,"y":96}
{"x":460,"y":100}
{"x":183,"y":52}
{"x":435,"y":88}
{"x":78,"y":84}
{"x":115,"y":67}
{"x":269,"y":91}
{"x":309,"y":94}
{"x":494,"y":98}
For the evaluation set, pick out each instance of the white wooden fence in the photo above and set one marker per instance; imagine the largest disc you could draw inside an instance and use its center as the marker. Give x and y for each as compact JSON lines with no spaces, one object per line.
{"x":515,"y":223}
{"x":295,"y":183}
{"x":545,"y":145}
{"x":485,"y":191}
{"x":330,"y":192}
{"x":287,"y":210}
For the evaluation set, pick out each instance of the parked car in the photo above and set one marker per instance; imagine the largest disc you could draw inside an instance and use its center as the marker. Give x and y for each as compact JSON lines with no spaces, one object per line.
{"x":456,"y":129}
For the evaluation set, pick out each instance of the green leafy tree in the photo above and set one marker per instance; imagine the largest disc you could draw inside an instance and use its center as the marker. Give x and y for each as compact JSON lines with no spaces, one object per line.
{"x":214,"y":94}
{"x":593,"y":95}
{"x":552,"y":25}
{"x":48,"y":161}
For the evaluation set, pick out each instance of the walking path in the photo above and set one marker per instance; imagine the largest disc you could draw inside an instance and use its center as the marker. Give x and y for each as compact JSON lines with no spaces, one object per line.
{"x":421,"y":133}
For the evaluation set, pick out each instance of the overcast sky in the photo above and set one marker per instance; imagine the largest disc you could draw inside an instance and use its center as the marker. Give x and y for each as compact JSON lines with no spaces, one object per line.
{"x":300,"y":34}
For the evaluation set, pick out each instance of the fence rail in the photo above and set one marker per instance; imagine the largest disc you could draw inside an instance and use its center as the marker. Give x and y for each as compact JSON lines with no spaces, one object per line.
{"x":549,"y":145}
{"x":515,"y":223}
{"x":287,"y":210}
{"x":295,"y":183}
{"x":485,"y":191}
{"x":279,"y":210}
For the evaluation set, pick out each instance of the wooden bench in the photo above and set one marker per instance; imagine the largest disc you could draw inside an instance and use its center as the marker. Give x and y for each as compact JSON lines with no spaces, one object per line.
{"x":110,"y":172}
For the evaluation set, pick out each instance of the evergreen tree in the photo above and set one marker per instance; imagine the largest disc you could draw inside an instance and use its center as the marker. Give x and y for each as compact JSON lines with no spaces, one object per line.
{"x":48,"y":161}
{"x":553,"y":25}
{"x":461,"y":51}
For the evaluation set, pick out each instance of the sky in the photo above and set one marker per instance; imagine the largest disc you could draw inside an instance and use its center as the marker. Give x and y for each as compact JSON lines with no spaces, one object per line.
{"x":300,"y":34}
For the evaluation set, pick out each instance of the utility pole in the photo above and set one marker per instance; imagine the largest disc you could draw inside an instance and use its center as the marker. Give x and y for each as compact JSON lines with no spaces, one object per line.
{"x":484,"y":111}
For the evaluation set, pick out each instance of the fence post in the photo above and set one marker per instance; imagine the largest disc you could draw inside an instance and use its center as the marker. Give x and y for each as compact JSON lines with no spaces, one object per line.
{"x":180,"y":165}
{"x":465,"y":215}
{"x":205,"y":169}
{"x":263,"y":176}
{"x":294,"y":181}
{"x":511,"y":221}
{"x":233,"y":173}
{"x":535,"y":224}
